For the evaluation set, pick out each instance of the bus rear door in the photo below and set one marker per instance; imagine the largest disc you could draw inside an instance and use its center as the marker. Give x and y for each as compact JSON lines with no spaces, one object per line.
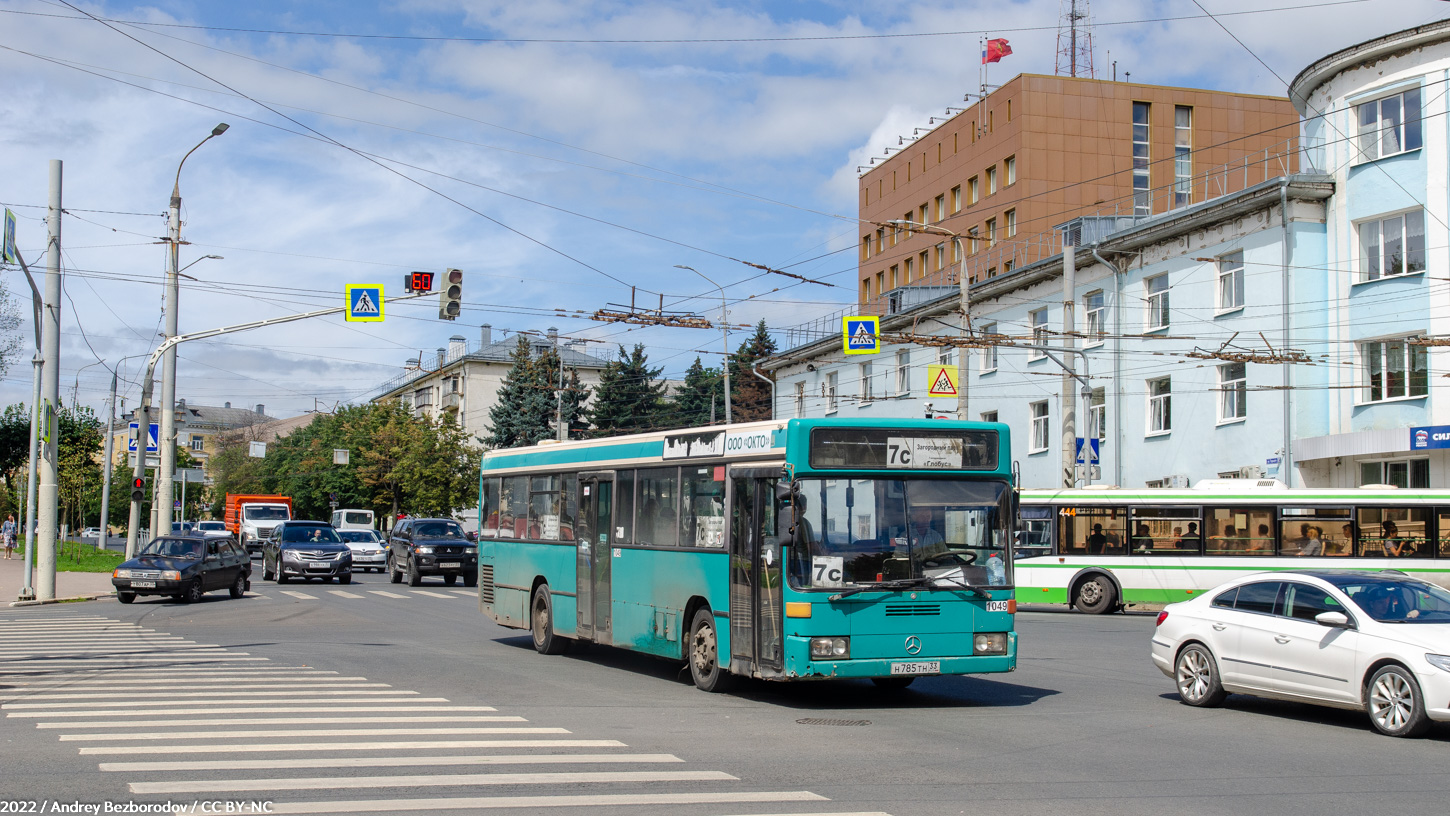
{"x":593,"y":555}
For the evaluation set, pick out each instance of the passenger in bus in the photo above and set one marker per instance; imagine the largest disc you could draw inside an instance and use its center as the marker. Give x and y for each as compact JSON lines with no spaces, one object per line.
{"x":1347,"y":548}
{"x":1190,"y":541}
{"x":1142,"y":539}
{"x":1229,"y":540}
{"x":1396,"y":547}
{"x":1097,"y":541}
{"x":1313,"y":543}
{"x":1263,"y":540}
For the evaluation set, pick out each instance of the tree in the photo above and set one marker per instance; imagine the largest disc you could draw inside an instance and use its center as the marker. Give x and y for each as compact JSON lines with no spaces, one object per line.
{"x":524,"y":412}
{"x":10,"y":340}
{"x":628,"y":398}
{"x":750,"y":397}
{"x":700,"y":400}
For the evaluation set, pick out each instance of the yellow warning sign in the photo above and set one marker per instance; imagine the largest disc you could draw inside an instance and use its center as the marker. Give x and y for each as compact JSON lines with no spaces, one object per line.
{"x":941,"y":380}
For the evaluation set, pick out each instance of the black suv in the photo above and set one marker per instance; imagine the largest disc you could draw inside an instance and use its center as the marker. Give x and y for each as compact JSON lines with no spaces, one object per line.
{"x":184,"y":567}
{"x":430,"y":546}
{"x":306,"y":549}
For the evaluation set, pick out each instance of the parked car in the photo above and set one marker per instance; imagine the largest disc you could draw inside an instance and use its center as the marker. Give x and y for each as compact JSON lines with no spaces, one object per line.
{"x":1377,"y":642}
{"x":185,"y":568}
{"x":91,"y":532}
{"x":368,"y":549}
{"x":181,"y":528}
{"x":306,"y":549}
{"x":430,"y":546}
{"x":211,"y":529}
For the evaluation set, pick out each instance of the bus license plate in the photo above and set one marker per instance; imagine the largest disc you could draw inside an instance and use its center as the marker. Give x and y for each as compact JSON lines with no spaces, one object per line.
{"x":996,"y":606}
{"x":316,"y":565}
{"x":143,"y":584}
{"x":927,"y":667}
{"x":450,"y":566}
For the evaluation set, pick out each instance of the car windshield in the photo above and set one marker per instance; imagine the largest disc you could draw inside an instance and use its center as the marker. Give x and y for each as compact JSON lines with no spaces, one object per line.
{"x":938,"y":532}
{"x":437,"y":529}
{"x":278,"y":513}
{"x":173,"y":548}
{"x":211,"y":525}
{"x":310,"y":535}
{"x":358,"y":535}
{"x":1394,"y":599}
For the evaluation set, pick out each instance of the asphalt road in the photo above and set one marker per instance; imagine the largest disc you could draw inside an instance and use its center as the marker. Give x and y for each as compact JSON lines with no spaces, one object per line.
{"x":1086,"y":725}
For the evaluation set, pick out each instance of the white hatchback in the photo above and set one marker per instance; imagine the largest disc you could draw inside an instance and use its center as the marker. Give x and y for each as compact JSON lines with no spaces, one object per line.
{"x":1377,"y":642}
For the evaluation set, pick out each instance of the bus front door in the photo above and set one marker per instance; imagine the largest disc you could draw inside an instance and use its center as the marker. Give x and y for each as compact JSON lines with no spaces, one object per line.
{"x":593,"y":556}
{"x":756,"y":622}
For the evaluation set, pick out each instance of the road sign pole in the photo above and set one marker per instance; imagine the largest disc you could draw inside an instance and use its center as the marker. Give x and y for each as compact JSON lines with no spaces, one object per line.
{"x":47,"y":523}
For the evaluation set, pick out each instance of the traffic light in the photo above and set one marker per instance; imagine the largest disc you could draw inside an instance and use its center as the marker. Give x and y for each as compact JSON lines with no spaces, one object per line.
{"x":138,"y":489}
{"x":450,"y":297}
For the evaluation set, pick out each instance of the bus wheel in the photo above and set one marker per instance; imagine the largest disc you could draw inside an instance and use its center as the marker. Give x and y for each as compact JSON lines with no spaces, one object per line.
{"x":704,"y":655}
{"x":892,"y":683}
{"x":541,"y":624}
{"x":1096,"y":595}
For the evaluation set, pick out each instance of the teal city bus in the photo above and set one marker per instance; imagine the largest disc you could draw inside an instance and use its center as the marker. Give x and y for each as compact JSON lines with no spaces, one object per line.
{"x":782,"y":550}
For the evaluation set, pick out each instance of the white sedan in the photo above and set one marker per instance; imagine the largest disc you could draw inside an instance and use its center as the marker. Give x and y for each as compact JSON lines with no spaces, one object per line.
{"x":1377,"y":642}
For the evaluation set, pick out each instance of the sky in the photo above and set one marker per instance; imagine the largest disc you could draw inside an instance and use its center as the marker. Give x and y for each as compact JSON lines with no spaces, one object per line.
{"x":566,"y":156}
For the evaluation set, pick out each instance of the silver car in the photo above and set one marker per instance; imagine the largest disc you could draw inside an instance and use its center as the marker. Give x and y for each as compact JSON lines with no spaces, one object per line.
{"x":368,"y":552}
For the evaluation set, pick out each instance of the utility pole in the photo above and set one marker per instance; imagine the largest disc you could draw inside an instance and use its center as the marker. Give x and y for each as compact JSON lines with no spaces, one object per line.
{"x":106,"y":467}
{"x":47,"y":526}
{"x":1069,"y":372}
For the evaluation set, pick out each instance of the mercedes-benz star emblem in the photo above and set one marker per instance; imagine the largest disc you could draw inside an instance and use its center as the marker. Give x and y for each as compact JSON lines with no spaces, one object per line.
{"x":913,"y":645}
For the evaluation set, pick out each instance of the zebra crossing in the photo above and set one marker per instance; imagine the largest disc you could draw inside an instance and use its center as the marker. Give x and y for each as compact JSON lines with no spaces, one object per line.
{"x":207,"y":724}
{"x":319,"y":592}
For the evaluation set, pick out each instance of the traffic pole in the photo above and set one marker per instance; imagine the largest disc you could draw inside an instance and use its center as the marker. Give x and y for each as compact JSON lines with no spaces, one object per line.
{"x":47,"y":527}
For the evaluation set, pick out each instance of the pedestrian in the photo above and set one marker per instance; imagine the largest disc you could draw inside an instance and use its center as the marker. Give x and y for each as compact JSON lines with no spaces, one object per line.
{"x":7,"y":531}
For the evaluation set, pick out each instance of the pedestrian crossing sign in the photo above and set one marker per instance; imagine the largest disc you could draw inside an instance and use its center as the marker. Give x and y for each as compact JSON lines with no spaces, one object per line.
{"x":862,"y":335}
{"x":365,"y":302}
{"x":941,"y":381}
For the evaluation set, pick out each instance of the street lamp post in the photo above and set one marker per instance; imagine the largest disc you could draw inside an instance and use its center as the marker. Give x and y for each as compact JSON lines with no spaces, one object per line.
{"x":165,"y":472}
{"x":965,"y":294}
{"x":724,"y":337}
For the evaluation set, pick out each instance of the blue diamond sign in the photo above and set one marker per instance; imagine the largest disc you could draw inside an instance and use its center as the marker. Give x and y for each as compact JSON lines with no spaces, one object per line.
{"x":365,"y":302}
{"x":862,"y":335}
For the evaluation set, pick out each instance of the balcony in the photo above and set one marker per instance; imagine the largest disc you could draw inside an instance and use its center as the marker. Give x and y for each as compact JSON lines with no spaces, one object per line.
{"x":452,"y":401}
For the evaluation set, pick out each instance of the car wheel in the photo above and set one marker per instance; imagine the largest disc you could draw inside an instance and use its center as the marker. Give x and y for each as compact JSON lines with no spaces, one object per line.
{"x":470,"y":580}
{"x":125,"y":597}
{"x":1196,"y":675}
{"x":281,"y":578}
{"x":704,"y":655}
{"x":1096,"y":595}
{"x":267,"y":574}
{"x":414,"y":578}
{"x":239,"y":586}
{"x":193,"y":592}
{"x":1394,"y":703}
{"x":393,"y":574}
{"x":541,"y":624}
{"x":892,"y":683}
{"x":450,"y":579}
{"x":344,"y":579}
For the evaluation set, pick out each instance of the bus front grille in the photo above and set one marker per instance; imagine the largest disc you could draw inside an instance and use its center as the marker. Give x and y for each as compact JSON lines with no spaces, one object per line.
{"x":912,"y":610}
{"x":485,"y":583}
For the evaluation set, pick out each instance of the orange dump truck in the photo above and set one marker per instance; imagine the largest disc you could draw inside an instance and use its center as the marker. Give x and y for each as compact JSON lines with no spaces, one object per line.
{"x":251,"y":518}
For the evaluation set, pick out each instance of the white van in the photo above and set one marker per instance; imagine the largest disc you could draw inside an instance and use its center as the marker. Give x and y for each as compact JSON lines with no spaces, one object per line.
{"x":352,"y":519}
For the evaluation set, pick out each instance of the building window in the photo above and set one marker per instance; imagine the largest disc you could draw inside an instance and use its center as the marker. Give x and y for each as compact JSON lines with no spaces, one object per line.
{"x":923,"y":259}
{"x":957,"y":199}
{"x":922,"y":215}
{"x":956,"y":251}
{"x":992,"y":180}
{"x":895,"y":270}
{"x":1406,"y":473}
{"x":988,"y":358}
{"x":1160,"y":405}
{"x":1182,"y":156}
{"x":1231,"y":282}
{"x":866,"y":393}
{"x":865,"y":289}
{"x":989,"y":416}
{"x":1157,"y":291}
{"x":941,"y":208}
{"x":972,"y":191}
{"x":1009,"y":169}
{"x":1394,"y":369}
{"x":991,"y":231}
{"x":800,"y":399}
{"x":895,"y":234}
{"x":1142,"y":190}
{"x":1233,"y":392}
{"x":1037,"y":319}
{"x":1008,"y":265}
{"x":903,"y":373}
{"x":1038,"y":442}
{"x":881,"y":283}
{"x":198,"y":442}
{"x":941,"y":257}
{"x":830,"y":392}
{"x":1009,"y":219}
{"x":908,"y":263}
{"x":909,"y":222}
{"x":1092,"y":306}
{"x":1392,"y":246}
{"x":880,"y":240}
{"x":1098,"y":413}
{"x":865,"y":247}
{"x":1388,"y":125}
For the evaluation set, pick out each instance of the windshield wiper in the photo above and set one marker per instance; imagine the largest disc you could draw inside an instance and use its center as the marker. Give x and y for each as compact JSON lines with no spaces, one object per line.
{"x":899,"y":583}
{"x":980,"y":592}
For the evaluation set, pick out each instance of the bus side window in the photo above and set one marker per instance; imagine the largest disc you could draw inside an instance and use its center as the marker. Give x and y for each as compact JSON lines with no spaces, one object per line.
{"x":489,"y":509}
{"x":658,"y":496}
{"x":1444,"y":528}
{"x":624,"y":507}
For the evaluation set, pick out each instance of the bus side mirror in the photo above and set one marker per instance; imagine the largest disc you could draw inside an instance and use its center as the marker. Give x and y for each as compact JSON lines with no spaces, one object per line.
{"x":785,"y":526}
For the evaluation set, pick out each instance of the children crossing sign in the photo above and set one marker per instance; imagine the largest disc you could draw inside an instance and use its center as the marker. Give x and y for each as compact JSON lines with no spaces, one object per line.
{"x":862,"y":335}
{"x":365,"y":302}
{"x":941,"y":380}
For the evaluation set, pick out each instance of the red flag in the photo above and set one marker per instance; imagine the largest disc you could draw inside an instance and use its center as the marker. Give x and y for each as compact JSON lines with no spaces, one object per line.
{"x":996,"y":50}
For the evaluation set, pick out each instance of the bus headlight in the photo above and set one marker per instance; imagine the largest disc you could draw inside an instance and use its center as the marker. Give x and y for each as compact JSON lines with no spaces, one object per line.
{"x":989,"y":643}
{"x":831,"y":647}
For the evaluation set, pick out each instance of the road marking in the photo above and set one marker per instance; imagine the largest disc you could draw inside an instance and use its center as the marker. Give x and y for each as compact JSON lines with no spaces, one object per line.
{"x":423,"y":781}
{"x":342,"y":593}
{"x":168,"y":710}
{"x":177,"y":695}
{"x":388,"y":762}
{"x":300,"y":681}
{"x":125,"y":637}
{"x":111,"y":649}
{"x":180,"y":690}
{"x":386,"y":594}
{"x":397,"y":745}
{"x":531,"y":802}
{"x":198,"y":670}
{"x":172,"y":722}
{"x":303,"y":595}
{"x":467,"y":593}
{"x":291,"y":704}
{"x":432,"y":594}
{"x":317,"y":732}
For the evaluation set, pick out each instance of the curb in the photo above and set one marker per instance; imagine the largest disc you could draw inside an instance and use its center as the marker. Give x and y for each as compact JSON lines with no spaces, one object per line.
{"x":111,"y":594}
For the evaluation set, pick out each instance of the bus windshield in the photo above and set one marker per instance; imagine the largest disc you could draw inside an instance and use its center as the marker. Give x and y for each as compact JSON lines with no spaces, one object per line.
{"x":944,"y":533}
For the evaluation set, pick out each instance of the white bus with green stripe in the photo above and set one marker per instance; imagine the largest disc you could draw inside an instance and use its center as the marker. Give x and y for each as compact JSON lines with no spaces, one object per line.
{"x":1102,"y":548}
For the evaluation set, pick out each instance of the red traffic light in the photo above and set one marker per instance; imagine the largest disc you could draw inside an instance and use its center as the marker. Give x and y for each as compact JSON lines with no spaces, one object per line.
{"x":138,"y":484}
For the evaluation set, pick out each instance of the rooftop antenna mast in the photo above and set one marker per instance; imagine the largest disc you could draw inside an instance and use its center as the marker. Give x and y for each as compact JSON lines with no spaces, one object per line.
{"x":1075,"y":40}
